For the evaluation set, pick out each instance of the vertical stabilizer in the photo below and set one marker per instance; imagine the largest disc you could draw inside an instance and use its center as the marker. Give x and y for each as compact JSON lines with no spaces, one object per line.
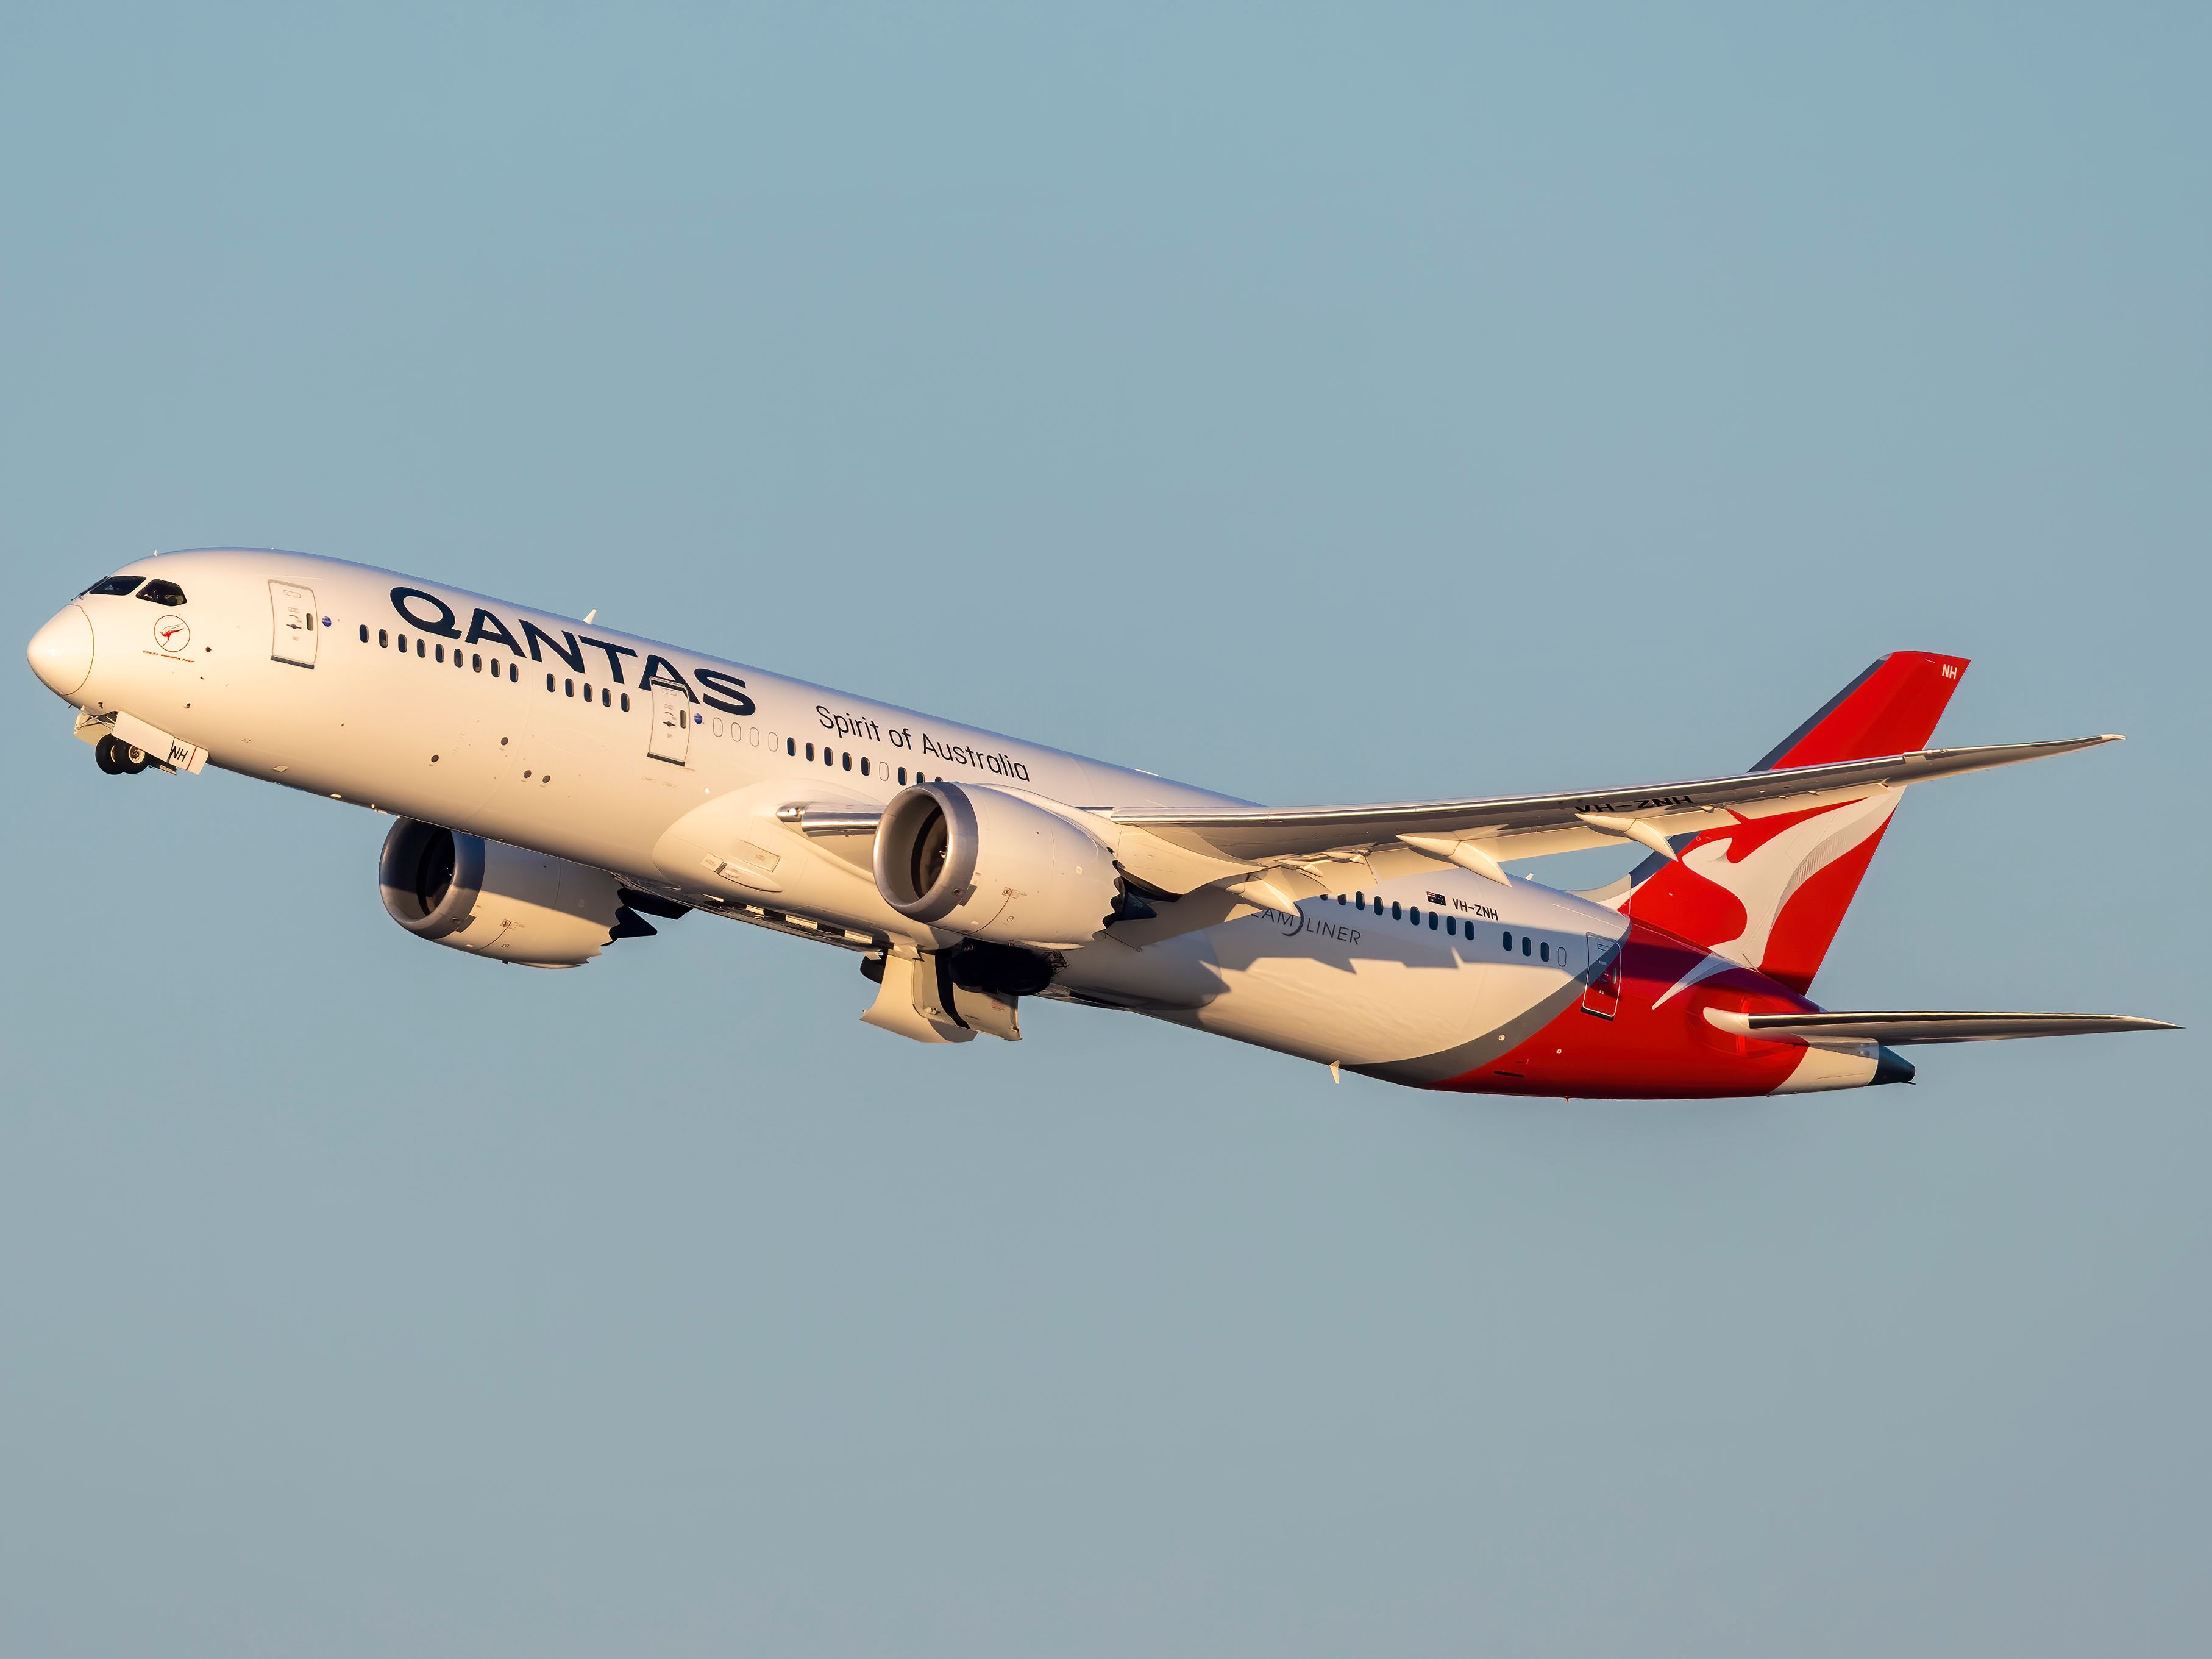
{"x":1771,"y":891}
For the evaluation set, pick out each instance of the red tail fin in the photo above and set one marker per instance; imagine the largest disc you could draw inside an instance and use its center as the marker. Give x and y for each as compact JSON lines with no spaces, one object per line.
{"x":1891,"y":709}
{"x":1771,"y":891}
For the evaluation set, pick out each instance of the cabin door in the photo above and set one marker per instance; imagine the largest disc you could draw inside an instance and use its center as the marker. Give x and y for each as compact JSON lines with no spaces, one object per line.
{"x":672,"y":726}
{"x":292,"y":615}
{"x":1602,"y":990}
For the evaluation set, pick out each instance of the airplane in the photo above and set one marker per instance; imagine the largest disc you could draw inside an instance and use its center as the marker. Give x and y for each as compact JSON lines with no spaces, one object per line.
{"x":554,"y":784}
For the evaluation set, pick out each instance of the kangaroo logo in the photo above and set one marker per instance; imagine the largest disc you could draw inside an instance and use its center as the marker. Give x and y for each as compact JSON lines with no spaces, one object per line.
{"x":171,"y":634}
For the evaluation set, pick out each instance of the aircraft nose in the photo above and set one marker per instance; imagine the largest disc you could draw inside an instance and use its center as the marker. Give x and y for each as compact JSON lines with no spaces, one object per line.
{"x":61,"y":652}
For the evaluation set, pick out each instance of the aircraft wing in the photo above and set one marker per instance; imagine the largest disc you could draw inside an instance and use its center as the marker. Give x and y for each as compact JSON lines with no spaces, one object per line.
{"x":1528,"y":826}
{"x":1925,"y":1027}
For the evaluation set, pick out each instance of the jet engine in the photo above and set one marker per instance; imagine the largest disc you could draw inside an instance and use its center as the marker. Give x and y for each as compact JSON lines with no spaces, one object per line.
{"x":492,"y":899}
{"x":990,"y":864}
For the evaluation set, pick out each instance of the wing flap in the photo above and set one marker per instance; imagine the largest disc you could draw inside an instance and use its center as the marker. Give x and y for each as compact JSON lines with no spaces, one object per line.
{"x":1894,"y":1029}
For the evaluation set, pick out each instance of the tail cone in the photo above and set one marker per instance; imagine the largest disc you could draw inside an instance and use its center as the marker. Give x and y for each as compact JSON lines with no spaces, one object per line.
{"x":1891,"y":1067}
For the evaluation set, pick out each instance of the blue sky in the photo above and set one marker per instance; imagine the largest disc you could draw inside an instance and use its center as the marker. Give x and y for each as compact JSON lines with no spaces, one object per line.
{"x":1314,"y":404}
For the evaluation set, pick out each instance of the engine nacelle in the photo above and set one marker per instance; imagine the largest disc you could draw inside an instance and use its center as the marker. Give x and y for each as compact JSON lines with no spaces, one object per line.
{"x":492,"y":899}
{"x":987,"y":864}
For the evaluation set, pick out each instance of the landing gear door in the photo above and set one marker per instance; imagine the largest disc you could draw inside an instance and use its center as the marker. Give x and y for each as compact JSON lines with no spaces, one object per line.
{"x":1601,"y":986}
{"x":292,"y":617}
{"x":672,"y":726}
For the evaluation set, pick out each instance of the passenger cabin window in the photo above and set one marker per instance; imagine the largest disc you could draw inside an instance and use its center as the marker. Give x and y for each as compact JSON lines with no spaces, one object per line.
{"x":384,"y":639}
{"x":418,"y":646}
{"x":1543,"y":953}
{"x":115,"y":586}
{"x":1397,"y":910}
{"x":1524,"y":944}
{"x":810,"y":751}
{"x":625,"y":702}
{"x":162,"y":593}
{"x":1432,"y":921}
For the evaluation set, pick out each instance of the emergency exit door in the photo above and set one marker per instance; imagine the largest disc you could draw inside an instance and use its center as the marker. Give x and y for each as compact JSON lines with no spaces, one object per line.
{"x":671,"y":740}
{"x":292,"y":619}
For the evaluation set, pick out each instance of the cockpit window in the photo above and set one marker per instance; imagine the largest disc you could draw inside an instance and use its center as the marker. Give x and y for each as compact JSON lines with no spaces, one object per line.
{"x":117,"y":585}
{"x":162,"y":593}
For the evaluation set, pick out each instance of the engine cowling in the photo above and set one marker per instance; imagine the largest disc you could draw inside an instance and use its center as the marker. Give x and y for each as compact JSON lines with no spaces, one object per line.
{"x":989,"y":864}
{"x":492,"y":899}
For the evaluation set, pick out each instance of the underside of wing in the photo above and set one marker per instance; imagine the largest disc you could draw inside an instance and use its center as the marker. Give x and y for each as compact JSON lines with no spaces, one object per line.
{"x":1531,"y":826}
{"x":1893,"y":1029}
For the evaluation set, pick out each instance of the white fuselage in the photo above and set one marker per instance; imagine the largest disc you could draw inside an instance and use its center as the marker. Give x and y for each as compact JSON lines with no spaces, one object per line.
{"x":631,"y":756}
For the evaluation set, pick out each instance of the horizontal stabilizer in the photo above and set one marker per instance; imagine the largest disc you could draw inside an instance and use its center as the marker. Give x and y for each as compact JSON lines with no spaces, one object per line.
{"x":1893,"y":1029}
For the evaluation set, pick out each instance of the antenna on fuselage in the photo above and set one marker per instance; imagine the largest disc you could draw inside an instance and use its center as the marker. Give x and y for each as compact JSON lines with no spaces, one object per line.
{"x":592,"y":614}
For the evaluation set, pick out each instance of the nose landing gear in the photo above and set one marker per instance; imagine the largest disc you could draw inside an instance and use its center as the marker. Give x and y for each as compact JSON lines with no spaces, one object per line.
{"x":116,"y":756}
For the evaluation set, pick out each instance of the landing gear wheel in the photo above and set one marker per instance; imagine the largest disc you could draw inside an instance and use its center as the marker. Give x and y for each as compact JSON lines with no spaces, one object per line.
{"x":116,"y":756}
